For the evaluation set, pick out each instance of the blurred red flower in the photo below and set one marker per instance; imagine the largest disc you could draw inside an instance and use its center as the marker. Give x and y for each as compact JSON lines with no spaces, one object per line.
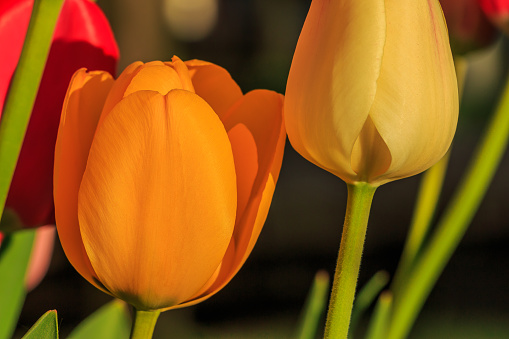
{"x":498,"y":12}
{"x":468,"y":26}
{"x":82,"y":38}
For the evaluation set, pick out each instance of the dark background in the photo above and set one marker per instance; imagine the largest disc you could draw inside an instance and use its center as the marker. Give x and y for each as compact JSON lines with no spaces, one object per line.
{"x":255,"y":40}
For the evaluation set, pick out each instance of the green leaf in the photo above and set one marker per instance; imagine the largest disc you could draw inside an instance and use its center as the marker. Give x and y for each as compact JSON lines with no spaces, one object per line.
{"x":14,"y":258}
{"x":45,"y":328}
{"x":111,"y":321}
{"x":380,"y":320}
{"x":314,"y":307}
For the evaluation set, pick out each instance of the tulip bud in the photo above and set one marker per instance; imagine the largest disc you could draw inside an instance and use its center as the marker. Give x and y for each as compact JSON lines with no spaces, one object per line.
{"x":498,"y":12}
{"x":82,"y":38}
{"x":163,"y":179}
{"x":372,"y":94}
{"x":469,"y":28}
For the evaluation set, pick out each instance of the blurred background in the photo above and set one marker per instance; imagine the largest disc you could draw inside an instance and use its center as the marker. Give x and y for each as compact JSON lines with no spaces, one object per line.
{"x":255,"y":40}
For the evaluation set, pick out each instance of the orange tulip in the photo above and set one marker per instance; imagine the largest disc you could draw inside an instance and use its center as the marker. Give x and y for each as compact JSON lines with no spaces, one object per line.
{"x":163,"y":179}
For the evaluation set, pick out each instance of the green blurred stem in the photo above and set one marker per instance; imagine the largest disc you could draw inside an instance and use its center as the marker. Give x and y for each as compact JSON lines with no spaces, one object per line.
{"x":365,"y":298}
{"x":23,"y":89}
{"x":451,"y":228}
{"x":314,"y":307}
{"x":144,"y":324}
{"x":427,"y":199}
{"x":378,"y":325}
{"x":360,"y":196}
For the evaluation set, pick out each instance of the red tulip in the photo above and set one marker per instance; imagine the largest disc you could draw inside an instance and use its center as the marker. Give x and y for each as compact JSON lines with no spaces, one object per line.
{"x":498,"y":12}
{"x":82,"y":38}
{"x":468,"y":26}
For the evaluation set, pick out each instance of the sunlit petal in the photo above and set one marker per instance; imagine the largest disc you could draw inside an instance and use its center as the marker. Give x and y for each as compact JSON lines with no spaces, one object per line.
{"x":80,"y":115}
{"x":162,"y":169}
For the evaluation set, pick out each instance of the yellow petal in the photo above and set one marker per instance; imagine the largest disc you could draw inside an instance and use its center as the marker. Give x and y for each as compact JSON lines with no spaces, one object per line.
{"x":214,"y":84}
{"x":370,"y":155}
{"x":81,"y":110}
{"x":333,"y":80}
{"x":416,"y":105}
{"x":158,"y":198}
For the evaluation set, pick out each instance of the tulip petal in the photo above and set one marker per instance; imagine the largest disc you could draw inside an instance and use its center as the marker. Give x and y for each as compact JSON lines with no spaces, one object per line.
{"x":417,"y":64}
{"x":117,"y":91}
{"x":158,"y":198}
{"x":214,"y":84}
{"x":256,"y":118}
{"x":180,"y":67}
{"x":370,"y":155}
{"x":333,"y":80}
{"x":81,"y":110}
{"x":260,"y":112}
{"x":154,"y":76}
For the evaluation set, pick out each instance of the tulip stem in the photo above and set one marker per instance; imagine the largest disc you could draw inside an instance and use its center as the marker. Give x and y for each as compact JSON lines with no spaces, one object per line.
{"x":360,"y":196}
{"x":144,"y":324}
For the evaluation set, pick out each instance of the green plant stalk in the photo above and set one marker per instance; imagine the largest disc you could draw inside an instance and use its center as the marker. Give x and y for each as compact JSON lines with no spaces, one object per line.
{"x":454,"y":222}
{"x":427,"y":200}
{"x":365,"y":298}
{"x":314,"y":307}
{"x":378,"y":325}
{"x":144,"y":324}
{"x":23,"y":89}
{"x":360,"y":196}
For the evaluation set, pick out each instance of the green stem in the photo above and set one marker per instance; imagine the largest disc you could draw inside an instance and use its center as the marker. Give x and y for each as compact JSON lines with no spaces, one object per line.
{"x":315,"y":307}
{"x":427,"y":200}
{"x":360,"y":196}
{"x":144,"y":324}
{"x":453,"y":224}
{"x":23,"y":89}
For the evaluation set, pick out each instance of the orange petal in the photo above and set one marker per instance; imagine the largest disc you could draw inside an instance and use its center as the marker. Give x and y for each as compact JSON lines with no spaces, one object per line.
{"x":154,"y":76}
{"x":261,"y":112}
{"x":245,"y":154}
{"x":158,"y":198}
{"x":80,"y":114}
{"x":214,"y":84}
{"x":257,"y":118}
{"x":117,"y":91}
{"x":180,"y":67}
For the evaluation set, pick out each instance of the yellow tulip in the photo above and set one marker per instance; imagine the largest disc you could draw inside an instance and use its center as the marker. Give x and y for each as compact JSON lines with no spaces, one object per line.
{"x":372,"y":94}
{"x":163,"y":179}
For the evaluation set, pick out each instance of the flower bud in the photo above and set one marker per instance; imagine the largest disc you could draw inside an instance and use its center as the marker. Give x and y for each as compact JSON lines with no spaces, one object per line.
{"x":372,"y":93}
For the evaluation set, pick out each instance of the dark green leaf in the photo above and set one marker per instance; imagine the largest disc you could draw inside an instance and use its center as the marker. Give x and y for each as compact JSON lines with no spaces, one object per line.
{"x":45,"y":328}
{"x":14,"y":258}
{"x":112,"y":321}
